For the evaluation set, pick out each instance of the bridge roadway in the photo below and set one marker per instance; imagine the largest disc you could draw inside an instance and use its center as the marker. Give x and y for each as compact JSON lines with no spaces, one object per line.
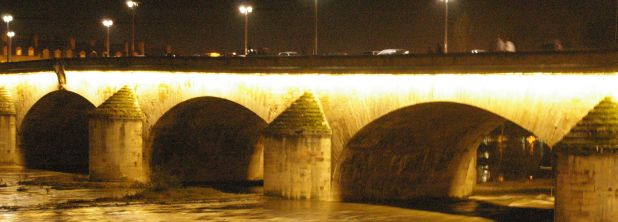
{"x":343,"y":128}
{"x":573,"y":62}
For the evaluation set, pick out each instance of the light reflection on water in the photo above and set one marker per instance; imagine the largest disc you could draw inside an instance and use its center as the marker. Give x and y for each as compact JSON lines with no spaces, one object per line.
{"x":39,"y":203}
{"x":254,"y":208}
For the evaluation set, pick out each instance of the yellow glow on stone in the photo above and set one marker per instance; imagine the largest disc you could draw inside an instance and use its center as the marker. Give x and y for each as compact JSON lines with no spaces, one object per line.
{"x":443,"y":87}
{"x":360,"y":83}
{"x":28,"y":88}
{"x":536,"y":101}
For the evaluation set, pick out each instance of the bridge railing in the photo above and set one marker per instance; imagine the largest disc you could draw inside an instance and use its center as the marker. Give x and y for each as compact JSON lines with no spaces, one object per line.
{"x":452,"y":63}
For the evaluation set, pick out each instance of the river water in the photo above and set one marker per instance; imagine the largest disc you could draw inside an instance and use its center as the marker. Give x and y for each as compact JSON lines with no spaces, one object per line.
{"x":44,"y":203}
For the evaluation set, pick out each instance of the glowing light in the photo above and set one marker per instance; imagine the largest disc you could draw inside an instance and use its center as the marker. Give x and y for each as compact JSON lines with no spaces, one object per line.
{"x":7,"y":18}
{"x":531,"y":139}
{"x":535,"y":101}
{"x":245,"y":9}
{"x":107,"y":22}
{"x":441,"y":87}
{"x":10,"y":34}
{"x":214,"y":54}
{"x":30,"y":87}
{"x":132,"y":4}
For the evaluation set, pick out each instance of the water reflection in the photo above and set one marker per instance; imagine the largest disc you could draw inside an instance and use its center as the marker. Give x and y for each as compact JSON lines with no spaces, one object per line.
{"x":256,"y":208}
{"x":511,"y":153}
{"x":38,"y":203}
{"x":476,"y":208}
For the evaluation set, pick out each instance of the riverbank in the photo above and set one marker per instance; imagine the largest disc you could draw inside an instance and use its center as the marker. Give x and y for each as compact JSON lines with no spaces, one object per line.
{"x":26,"y":189}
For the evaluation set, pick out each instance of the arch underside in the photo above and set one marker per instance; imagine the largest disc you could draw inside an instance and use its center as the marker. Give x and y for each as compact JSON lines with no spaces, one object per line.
{"x":54,"y":133}
{"x":422,"y":150}
{"x":208,"y":139}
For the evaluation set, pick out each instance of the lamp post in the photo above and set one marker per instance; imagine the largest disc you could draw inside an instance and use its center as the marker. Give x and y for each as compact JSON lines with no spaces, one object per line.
{"x":315,"y":47}
{"x":616,"y":25}
{"x":246,"y":10}
{"x":445,"y":25}
{"x":10,"y":34}
{"x":133,"y":6}
{"x":8,"y":19}
{"x":107,"y":23}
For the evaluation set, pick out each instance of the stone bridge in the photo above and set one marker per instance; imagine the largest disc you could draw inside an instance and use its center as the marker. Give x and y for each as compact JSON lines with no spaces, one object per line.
{"x":343,"y":128}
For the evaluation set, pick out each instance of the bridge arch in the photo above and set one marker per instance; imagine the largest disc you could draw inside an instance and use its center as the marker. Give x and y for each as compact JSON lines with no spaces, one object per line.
{"x":427,"y":149}
{"x":207,"y":139}
{"x":54,"y":133}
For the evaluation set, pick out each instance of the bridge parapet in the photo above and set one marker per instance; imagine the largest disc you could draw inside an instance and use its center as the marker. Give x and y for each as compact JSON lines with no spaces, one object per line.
{"x":406,"y":64}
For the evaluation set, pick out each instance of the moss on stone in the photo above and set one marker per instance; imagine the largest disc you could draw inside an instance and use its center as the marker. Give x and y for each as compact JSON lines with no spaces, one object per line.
{"x":597,"y":132}
{"x":304,"y":117}
{"x":122,"y":105}
{"x":6,"y":103}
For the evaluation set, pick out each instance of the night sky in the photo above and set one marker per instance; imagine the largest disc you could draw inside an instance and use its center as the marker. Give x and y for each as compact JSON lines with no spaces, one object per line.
{"x":351,"y":26}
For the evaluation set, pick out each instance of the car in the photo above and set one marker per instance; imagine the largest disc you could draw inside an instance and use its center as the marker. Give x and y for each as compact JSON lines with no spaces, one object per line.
{"x":371,"y":52}
{"x":394,"y":52}
{"x":288,"y":54}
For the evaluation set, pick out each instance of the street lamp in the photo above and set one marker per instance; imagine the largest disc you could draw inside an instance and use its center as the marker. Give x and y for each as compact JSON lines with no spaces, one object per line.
{"x":133,"y":6}
{"x":246,"y":10}
{"x":107,"y":23}
{"x":616,"y":25}
{"x":315,"y":47}
{"x":445,"y":25}
{"x":7,"y":19}
{"x":10,"y":34}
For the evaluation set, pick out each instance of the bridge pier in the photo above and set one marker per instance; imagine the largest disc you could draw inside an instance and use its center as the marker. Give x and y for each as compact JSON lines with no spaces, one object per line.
{"x":115,"y":135}
{"x":586,"y":168}
{"x":297,"y":153}
{"x":9,"y":154}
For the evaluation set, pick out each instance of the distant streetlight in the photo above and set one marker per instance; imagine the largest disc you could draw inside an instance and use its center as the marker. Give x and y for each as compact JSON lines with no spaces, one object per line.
{"x":315,"y":47}
{"x":107,"y":23}
{"x":246,"y":10}
{"x":133,"y":6}
{"x":10,"y":34}
{"x":445,"y":25}
{"x":7,"y":19}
